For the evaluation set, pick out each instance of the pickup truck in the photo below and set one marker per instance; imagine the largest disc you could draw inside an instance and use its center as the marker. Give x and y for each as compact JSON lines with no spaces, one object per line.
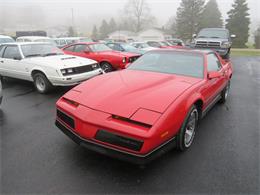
{"x":218,"y":39}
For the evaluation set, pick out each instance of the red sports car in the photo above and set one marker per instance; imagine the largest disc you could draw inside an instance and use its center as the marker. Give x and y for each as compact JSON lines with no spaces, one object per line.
{"x":142,"y":111}
{"x":108,"y":59}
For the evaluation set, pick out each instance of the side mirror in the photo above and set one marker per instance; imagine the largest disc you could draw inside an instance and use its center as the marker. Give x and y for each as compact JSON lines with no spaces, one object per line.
{"x":194,"y":36}
{"x":233,"y":36}
{"x":86,"y":51}
{"x":214,"y":75}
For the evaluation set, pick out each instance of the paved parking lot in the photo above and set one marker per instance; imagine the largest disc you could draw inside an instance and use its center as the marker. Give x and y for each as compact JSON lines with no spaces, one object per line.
{"x":37,"y":158}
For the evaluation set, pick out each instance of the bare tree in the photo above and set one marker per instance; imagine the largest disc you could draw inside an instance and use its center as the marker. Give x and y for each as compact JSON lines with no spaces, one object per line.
{"x":139,"y":13}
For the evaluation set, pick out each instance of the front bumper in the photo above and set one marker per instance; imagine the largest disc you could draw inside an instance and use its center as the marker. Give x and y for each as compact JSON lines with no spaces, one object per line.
{"x":222,"y":51}
{"x":74,"y":79}
{"x":115,"y":153}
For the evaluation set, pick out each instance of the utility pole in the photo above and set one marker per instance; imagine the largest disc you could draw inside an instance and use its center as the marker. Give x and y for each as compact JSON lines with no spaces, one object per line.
{"x":72,"y":21}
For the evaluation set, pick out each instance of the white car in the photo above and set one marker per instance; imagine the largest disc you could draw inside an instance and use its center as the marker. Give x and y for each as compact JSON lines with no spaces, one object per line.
{"x":45,"y":65}
{"x":143,"y":46}
{"x":35,"y":39}
{"x":5,"y":39}
{"x":63,"y":41}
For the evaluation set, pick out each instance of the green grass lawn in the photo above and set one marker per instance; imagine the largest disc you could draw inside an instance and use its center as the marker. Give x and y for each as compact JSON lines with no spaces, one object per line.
{"x":245,"y":52}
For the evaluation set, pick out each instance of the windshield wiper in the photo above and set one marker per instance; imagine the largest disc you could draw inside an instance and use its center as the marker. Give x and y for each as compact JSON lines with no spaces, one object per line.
{"x":32,"y":55}
{"x":202,"y":37}
{"x":215,"y":37}
{"x":51,"y":54}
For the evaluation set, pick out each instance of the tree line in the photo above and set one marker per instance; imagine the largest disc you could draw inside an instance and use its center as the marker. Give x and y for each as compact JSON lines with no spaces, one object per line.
{"x":192,"y":15}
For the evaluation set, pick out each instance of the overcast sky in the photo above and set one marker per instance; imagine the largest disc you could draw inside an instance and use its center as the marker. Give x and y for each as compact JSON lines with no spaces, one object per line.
{"x":92,"y":11}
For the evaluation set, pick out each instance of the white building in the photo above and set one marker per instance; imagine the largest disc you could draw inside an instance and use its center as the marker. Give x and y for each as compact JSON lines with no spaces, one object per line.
{"x":123,"y":36}
{"x":152,"y":34}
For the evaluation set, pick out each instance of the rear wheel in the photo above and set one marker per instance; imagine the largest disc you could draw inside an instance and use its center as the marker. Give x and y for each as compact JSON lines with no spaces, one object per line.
{"x":187,"y":133}
{"x":41,"y":83}
{"x":225,"y":93}
{"x":106,"y":67}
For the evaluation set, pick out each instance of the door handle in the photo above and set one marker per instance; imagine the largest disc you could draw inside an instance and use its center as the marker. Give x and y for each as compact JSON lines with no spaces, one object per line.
{"x":2,"y":61}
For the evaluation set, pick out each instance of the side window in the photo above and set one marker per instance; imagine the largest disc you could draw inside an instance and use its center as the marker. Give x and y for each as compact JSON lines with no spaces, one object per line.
{"x":2,"y":48}
{"x":119,"y":48}
{"x":213,"y":63}
{"x":80,"y":48}
{"x":12,"y":52}
{"x":71,"y":48}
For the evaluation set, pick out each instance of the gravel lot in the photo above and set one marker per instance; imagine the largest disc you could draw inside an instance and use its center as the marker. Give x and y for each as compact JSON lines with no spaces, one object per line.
{"x":37,"y":158}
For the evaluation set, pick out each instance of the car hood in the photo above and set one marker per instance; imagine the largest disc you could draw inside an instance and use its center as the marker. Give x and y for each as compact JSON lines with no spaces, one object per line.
{"x":122,"y":93}
{"x":119,"y":54}
{"x":61,"y":61}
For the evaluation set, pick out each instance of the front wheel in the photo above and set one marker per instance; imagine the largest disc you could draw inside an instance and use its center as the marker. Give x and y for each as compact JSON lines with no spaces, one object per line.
{"x":188,"y":129}
{"x":227,"y":56}
{"x":41,"y":83}
{"x":106,"y":67}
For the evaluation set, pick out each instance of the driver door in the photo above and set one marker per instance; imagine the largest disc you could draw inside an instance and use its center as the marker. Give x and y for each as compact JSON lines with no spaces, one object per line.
{"x":214,"y":86}
{"x":11,"y":63}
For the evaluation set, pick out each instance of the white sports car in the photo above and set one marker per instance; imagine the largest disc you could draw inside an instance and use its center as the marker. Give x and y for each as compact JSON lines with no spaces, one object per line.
{"x":45,"y":65}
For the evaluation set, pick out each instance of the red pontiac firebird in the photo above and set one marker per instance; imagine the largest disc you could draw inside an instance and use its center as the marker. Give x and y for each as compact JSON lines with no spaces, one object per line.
{"x":108,"y":59}
{"x":148,"y":108}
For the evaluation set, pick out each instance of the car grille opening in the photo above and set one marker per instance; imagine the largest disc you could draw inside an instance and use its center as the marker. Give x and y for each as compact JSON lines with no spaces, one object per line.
{"x":207,"y":44}
{"x":119,"y":140}
{"x":82,"y":69}
{"x":131,"y":121}
{"x":66,"y":119}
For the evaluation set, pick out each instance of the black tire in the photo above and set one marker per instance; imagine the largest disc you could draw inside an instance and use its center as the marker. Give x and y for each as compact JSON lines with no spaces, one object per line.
{"x":227,"y":56}
{"x":225,"y":93}
{"x":106,"y":67}
{"x":41,"y":83}
{"x":182,"y":143}
{"x":1,"y":78}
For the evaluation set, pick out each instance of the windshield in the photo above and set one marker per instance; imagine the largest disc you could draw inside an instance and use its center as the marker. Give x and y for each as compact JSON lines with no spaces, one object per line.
{"x":99,"y":47}
{"x":180,"y":63}
{"x":154,"y":44}
{"x":128,"y":47}
{"x":34,"y":50}
{"x":163,"y":43}
{"x":222,"y":34}
{"x":6,"y":40}
{"x":144,"y":45}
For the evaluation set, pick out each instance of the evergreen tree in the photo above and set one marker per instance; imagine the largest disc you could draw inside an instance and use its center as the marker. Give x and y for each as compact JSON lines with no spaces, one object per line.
{"x":112,"y":25}
{"x":188,"y":18}
{"x":103,"y":30}
{"x":211,"y":16}
{"x":94,"y":34}
{"x":71,"y":32}
{"x":238,"y":22}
